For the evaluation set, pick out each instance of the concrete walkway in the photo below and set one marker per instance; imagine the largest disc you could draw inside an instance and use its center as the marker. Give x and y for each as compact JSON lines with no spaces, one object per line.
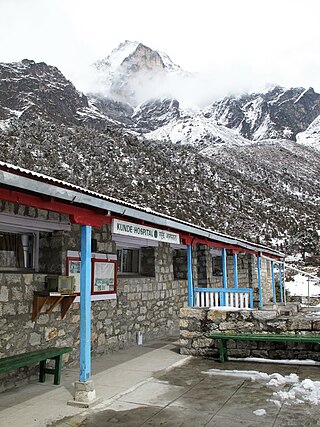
{"x":138,"y":389}
{"x":40,"y":404}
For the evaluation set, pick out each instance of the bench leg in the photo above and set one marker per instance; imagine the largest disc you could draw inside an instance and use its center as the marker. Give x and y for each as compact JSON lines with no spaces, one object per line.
{"x":223,"y":350}
{"x":57,"y":369}
{"x":42,"y":373}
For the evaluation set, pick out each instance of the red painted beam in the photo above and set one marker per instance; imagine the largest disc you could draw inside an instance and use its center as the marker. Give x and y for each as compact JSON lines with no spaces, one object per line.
{"x":275,"y":257}
{"x":78,"y":215}
{"x":212,"y":244}
{"x":193,"y":240}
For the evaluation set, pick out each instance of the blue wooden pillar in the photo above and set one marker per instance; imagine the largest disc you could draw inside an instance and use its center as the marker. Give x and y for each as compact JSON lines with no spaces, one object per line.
{"x":235,"y":270}
{"x":85,"y":304}
{"x":259,"y":281}
{"x":281,"y":282}
{"x":190,"y":278}
{"x":224,"y":274}
{"x":273,"y":283}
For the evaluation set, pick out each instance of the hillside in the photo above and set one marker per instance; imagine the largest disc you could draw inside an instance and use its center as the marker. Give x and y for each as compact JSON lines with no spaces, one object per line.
{"x":248,"y":191}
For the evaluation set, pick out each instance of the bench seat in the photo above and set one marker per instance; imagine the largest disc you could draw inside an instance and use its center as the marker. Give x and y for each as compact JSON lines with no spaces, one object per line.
{"x":11,"y":363}
{"x":223,"y":338}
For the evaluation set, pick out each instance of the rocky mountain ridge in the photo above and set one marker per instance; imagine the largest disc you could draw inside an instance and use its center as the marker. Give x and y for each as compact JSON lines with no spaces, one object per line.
{"x":234,"y":166}
{"x":29,"y":90}
{"x":277,"y":113}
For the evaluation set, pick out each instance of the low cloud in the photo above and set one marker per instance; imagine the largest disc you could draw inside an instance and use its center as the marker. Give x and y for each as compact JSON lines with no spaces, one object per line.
{"x":198,"y":89}
{"x":190,"y":89}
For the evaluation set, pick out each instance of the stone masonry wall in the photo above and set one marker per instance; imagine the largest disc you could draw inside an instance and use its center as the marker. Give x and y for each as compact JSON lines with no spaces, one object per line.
{"x":203,"y":264}
{"x":267,"y":295}
{"x":180,"y":264}
{"x":147,"y":304}
{"x":196,"y":324}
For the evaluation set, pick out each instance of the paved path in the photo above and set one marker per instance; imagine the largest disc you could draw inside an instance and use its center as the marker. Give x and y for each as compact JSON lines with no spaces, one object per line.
{"x":153,"y":385}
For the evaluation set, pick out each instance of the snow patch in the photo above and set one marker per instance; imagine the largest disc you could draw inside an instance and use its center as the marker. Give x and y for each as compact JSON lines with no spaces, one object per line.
{"x":305,"y":391}
{"x":300,"y":286}
{"x":260,"y":412}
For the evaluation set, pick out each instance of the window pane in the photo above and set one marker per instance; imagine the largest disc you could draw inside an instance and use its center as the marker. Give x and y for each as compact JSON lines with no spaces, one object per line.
{"x":130,"y":260}
{"x":16,"y":250}
{"x":217,"y":265}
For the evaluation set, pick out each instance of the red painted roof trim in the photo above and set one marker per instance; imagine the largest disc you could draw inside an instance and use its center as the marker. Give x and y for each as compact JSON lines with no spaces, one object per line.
{"x":78,"y":215}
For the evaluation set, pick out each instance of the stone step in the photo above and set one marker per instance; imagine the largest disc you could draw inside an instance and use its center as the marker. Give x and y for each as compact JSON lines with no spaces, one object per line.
{"x":289,"y":309}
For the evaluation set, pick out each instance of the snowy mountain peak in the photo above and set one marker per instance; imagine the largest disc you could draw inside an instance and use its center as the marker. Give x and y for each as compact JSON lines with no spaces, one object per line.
{"x":135,"y":56}
{"x":126,"y":71}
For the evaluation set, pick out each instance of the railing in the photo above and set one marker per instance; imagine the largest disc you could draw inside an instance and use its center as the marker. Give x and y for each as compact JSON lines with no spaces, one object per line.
{"x":223,"y":297}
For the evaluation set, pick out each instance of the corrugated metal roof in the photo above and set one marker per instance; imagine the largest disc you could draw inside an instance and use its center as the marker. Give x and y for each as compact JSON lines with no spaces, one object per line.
{"x":172,"y":221}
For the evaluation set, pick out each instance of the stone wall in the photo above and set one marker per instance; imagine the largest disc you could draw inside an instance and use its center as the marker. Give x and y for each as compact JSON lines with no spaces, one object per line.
{"x":180,"y":264}
{"x":147,"y":262}
{"x":203,"y":266}
{"x":267,"y":295}
{"x":196,"y":324}
{"x":149,"y":305}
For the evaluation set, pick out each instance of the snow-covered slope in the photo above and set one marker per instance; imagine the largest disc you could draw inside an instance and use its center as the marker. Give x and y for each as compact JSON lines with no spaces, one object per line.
{"x":192,"y":127}
{"x":311,"y":136}
{"x":264,"y":191}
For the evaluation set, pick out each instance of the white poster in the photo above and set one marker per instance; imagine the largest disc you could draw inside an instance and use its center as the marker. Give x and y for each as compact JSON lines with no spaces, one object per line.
{"x":103,"y":274}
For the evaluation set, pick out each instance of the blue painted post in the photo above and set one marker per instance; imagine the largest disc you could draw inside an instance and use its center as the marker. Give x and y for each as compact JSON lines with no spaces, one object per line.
{"x":190,"y":278}
{"x":259,"y":281}
{"x":273,"y":283}
{"x":235,"y":270}
{"x":85,"y":303}
{"x":281,"y":282}
{"x":224,"y":273}
{"x":251,"y":298}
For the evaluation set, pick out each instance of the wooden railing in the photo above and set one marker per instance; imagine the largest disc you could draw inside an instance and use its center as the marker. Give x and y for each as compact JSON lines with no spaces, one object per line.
{"x":223,"y":297}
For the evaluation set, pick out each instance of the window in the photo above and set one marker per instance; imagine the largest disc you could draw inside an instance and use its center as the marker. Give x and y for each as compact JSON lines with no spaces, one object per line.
{"x":17,"y":250}
{"x":128,"y":260}
{"x":217,"y":265}
{"x":139,"y":261}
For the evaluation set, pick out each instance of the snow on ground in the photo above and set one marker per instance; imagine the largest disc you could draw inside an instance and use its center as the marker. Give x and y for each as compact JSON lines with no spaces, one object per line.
{"x":305,"y":391}
{"x":299,"y":286}
{"x":311,"y":136}
{"x":260,"y":412}
{"x":277,"y":361}
{"x":192,"y":127}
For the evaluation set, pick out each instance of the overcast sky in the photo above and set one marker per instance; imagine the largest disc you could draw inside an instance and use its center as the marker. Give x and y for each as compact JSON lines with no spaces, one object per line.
{"x":238,"y":44}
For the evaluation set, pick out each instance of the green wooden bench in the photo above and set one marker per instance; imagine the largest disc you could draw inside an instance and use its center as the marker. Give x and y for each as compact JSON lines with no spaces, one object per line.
{"x":223,"y":338}
{"x":34,"y":357}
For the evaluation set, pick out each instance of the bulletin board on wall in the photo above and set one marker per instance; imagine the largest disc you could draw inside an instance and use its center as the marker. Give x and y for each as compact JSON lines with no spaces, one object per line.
{"x":104,"y":275}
